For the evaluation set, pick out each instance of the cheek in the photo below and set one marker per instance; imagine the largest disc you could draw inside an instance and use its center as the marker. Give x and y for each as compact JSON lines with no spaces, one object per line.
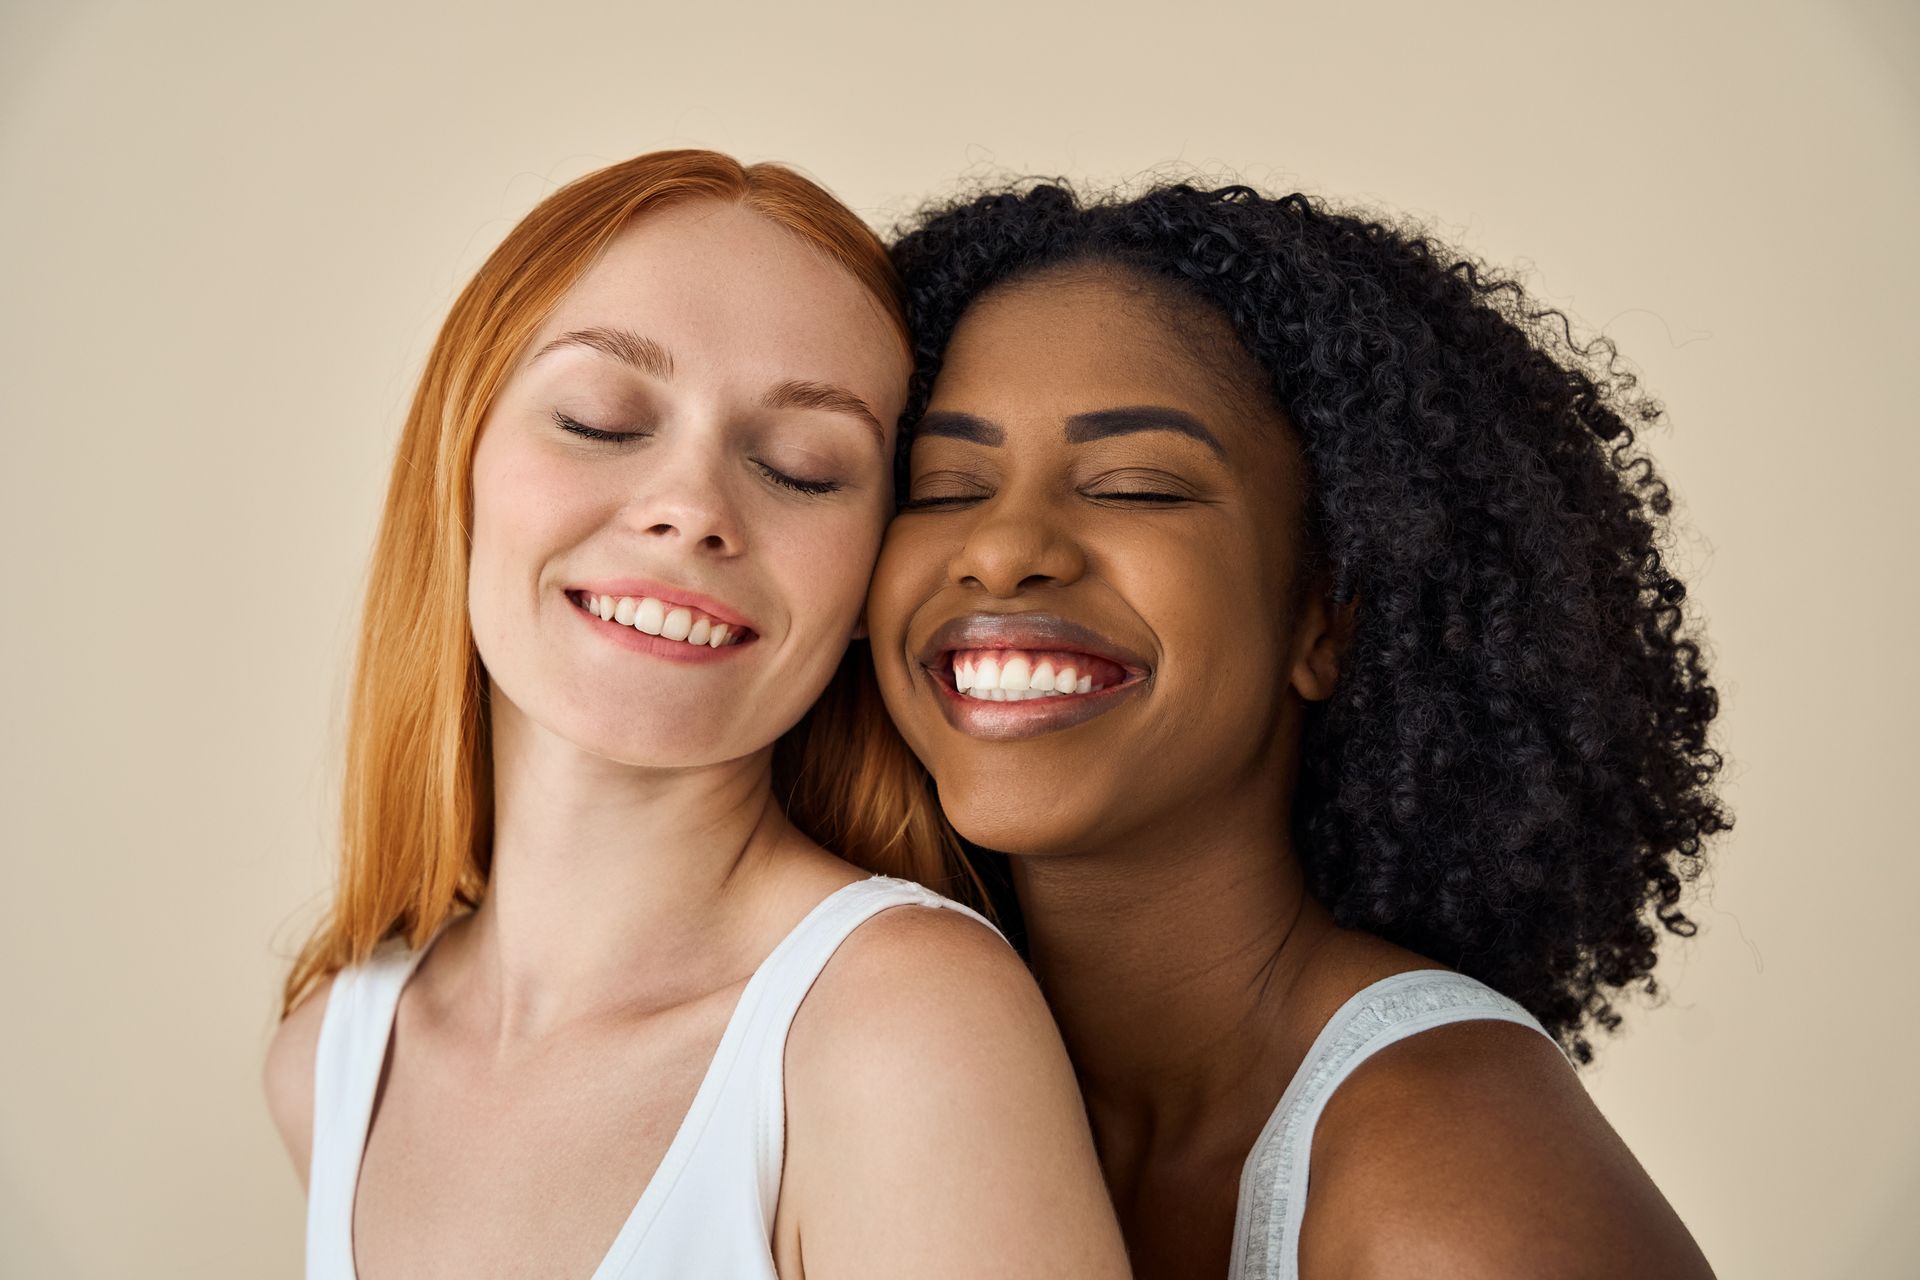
{"x":1220,"y":623}
{"x":525,"y":507}
{"x":826,"y":555}
{"x":907,"y":572}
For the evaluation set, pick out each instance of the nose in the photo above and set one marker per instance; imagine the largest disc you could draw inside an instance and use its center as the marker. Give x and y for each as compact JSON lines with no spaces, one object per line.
{"x":685,"y":496}
{"x":1016,"y":547}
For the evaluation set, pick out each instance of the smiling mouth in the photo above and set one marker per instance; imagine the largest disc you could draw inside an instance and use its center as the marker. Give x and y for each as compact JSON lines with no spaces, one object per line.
{"x":1026,"y":675}
{"x":1019,"y":675}
{"x":659,"y":618}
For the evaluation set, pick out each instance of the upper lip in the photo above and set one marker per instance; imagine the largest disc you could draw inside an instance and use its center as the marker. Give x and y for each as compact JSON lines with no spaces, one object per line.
{"x":667,"y":594}
{"x":1025,"y":631}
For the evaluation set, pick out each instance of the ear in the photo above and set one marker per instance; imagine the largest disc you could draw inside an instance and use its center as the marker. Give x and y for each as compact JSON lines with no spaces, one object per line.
{"x":1323,"y":638}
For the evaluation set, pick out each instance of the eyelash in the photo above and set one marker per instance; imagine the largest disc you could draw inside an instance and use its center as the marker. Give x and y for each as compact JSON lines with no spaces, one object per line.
{"x":579,"y":428}
{"x":915,"y":504}
{"x":813,"y":488}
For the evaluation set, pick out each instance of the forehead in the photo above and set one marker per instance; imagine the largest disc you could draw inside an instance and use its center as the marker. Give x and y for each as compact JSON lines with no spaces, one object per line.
{"x":1093,"y":338}
{"x":727,"y":291}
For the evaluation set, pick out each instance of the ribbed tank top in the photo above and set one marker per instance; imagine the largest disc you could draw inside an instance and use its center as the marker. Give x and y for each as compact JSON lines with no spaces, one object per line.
{"x":708,"y":1210}
{"x":1273,"y":1181}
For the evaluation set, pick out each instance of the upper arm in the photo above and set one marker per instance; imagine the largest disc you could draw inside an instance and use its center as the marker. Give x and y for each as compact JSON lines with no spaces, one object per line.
{"x":1472,"y":1150}
{"x":934,"y":1125}
{"x":288,"y":1075}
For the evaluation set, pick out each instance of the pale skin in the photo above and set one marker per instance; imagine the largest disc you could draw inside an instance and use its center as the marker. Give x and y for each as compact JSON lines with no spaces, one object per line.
{"x":1168,"y":919}
{"x":549,"y":1043}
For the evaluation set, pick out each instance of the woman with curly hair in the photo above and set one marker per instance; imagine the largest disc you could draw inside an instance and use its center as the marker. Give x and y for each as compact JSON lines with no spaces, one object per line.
{"x":1276,"y":602}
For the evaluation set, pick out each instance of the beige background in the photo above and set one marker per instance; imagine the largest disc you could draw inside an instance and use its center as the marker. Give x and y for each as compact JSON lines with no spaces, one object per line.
{"x":228,"y":231}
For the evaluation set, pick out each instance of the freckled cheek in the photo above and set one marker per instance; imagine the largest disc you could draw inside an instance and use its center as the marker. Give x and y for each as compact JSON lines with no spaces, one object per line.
{"x":824,"y":561}
{"x":529,"y":509}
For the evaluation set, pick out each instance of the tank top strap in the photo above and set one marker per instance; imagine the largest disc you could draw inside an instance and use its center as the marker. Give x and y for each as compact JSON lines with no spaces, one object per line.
{"x":1273,"y":1181}
{"x":723,"y":1168}
{"x":788,"y":975}
{"x":348,"y":1059}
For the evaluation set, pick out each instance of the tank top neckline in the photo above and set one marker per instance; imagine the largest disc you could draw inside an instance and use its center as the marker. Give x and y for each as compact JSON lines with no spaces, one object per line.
{"x":685,"y":1137}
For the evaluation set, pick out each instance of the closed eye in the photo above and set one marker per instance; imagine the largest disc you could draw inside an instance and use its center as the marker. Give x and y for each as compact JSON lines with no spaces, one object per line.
{"x":916,"y":504}
{"x":796,"y":483}
{"x":971,"y":488}
{"x":579,"y":428}
{"x":1141,"y":497}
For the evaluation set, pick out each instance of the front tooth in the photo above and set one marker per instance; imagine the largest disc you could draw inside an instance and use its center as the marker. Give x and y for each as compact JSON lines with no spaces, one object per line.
{"x":623,"y":612}
{"x":720,"y":633}
{"x":1017,"y":675}
{"x":1043,"y":676}
{"x":997,"y":694}
{"x":1085,"y":685}
{"x":677,"y":624}
{"x":986,"y":673}
{"x":648,"y":616}
{"x":1064,"y":681}
{"x":702,"y":628}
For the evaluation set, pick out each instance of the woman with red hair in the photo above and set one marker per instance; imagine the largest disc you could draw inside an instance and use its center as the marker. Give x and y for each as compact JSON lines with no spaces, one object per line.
{"x":594,"y":997}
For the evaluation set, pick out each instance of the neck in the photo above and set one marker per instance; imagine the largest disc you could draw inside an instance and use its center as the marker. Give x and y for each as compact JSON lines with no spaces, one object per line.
{"x":1166,"y":963}
{"x":613,"y":888}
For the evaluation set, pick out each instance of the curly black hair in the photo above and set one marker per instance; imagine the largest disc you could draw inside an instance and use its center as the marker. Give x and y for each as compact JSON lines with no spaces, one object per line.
{"x":1513,"y":775}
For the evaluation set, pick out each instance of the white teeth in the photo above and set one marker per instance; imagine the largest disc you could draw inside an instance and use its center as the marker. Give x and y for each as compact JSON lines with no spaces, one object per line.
{"x":656,"y":618}
{"x":1013,"y":676}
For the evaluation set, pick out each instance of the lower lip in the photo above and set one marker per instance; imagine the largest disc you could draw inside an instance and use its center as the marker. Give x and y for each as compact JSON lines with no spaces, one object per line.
{"x":1029,"y":717}
{"x":640,"y":642}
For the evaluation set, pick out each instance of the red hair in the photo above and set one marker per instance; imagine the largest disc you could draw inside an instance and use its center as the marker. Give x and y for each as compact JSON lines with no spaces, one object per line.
{"x":416,"y":807}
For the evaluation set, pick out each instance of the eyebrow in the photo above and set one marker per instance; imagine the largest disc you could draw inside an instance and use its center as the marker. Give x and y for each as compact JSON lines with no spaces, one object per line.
{"x":1081,"y":427}
{"x":623,"y":345}
{"x":651,"y":358}
{"x":960,"y":426}
{"x":1102,"y":423}
{"x":801,"y":393}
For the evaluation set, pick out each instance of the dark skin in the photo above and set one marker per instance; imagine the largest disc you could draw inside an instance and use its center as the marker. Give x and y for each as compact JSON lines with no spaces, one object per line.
{"x":1168,"y":920}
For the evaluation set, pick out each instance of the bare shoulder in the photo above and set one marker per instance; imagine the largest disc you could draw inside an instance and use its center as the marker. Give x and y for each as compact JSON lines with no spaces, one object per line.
{"x":288,"y":1074}
{"x":914,"y":995}
{"x":1472,"y":1149}
{"x":928,"y":1092}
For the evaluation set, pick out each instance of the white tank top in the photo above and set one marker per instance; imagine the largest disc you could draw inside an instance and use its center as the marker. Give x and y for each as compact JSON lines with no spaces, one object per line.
{"x":1273,"y":1181}
{"x":708,"y":1210}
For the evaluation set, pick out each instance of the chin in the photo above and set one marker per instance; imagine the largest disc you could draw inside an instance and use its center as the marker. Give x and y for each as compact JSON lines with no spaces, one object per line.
{"x":1036,"y":829}
{"x":648,"y":744}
